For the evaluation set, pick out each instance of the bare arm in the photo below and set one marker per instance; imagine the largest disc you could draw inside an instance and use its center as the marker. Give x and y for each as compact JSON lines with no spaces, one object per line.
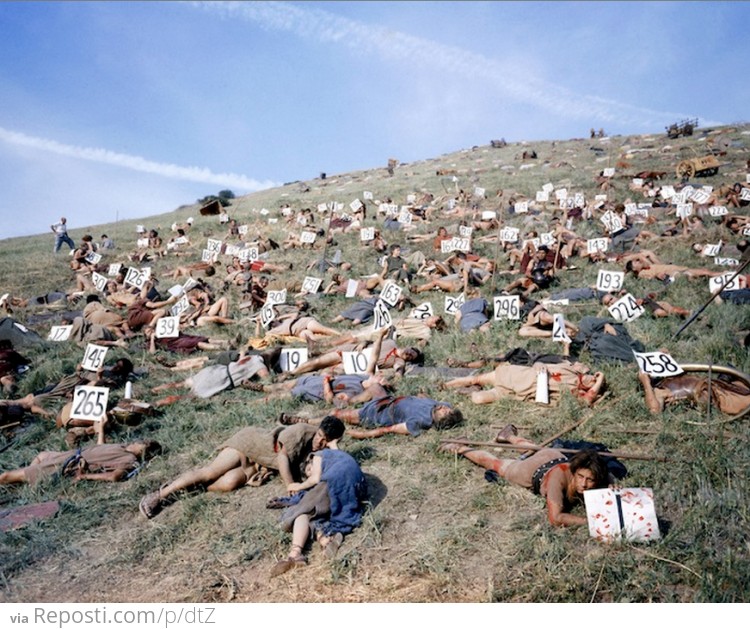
{"x":285,"y":468}
{"x":398,"y":429}
{"x":313,"y":479}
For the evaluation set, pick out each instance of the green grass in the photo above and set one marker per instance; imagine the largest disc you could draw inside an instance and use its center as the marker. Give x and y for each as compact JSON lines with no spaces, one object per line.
{"x":438,"y":531}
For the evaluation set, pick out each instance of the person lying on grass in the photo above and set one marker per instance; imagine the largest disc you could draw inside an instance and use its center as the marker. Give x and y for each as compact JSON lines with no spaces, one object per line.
{"x":729,"y":397}
{"x":548,"y":472}
{"x":385,"y":414}
{"x":110,"y":462}
{"x":520,"y":382}
{"x":328,"y":504}
{"x":250,"y":457}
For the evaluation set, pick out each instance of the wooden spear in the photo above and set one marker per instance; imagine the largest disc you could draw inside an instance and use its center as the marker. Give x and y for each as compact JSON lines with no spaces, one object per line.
{"x":534,"y":448}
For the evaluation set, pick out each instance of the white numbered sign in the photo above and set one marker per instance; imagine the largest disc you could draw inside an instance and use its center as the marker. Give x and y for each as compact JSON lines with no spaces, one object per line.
{"x":381,"y":316}
{"x":559,"y":333}
{"x":356,"y":362}
{"x":701,"y":196}
{"x":509,"y":234}
{"x":391,"y":293}
{"x":465,"y":231}
{"x":611,"y":221}
{"x":168,"y":328}
{"x":311,"y":284}
{"x":93,"y":357}
{"x":351,"y":288}
{"x":367,"y":195}
{"x":276,"y":297}
{"x":507,"y":307}
{"x":547,"y":239}
{"x":657,"y":364}
{"x":89,"y":403}
{"x":366,"y":234}
{"x":609,"y":281}
{"x":727,"y":261}
{"x":137,"y":277}
{"x":712,"y":250}
{"x":181,"y":306}
{"x":213,"y":245}
{"x":542,"y":196}
{"x":608,"y":172}
{"x":626,"y":309}
{"x":422,"y":311}
{"x":718,"y":210}
{"x":141,"y":243}
{"x":684,"y":210}
{"x":208,"y":256}
{"x":267,"y":314}
{"x":405,"y":217}
{"x":100,"y":281}
{"x":724,"y":282}
{"x":307,"y":238}
{"x":453,"y":304}
{"x":59,"y":333}
{"x":489,"y":215}
{"x":114,"y":269}
{"x":522,"y":207}
{"x":597,"y":244}
{"x":93,"y":258}
{"x":292,"y":357}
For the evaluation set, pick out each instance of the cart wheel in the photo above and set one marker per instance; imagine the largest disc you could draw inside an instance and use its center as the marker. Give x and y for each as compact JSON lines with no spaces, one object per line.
{"x":685,"y":170}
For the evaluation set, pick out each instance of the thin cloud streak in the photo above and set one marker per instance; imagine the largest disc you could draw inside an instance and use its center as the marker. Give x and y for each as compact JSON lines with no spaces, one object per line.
{"x":389,"y":44}
{"x":134,"y":162}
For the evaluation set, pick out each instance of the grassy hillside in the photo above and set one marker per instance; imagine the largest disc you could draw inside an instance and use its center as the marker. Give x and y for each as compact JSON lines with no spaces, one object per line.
{"x":437,"y":531}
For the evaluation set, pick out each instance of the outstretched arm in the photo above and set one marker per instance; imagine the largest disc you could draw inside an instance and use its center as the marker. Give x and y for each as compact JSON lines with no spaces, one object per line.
{"x":398,"y":429}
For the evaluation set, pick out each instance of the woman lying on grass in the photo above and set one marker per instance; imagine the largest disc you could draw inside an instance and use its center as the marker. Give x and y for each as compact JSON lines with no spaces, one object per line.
{"x":547,"y":472}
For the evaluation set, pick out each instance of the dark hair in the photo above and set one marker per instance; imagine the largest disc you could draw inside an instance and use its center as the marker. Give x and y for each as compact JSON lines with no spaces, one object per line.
{"x":151,"y":448}
{"x":92,"y":297}
{"x":332,"y":427}
{"x":592,"y":461}
{"x":87,"y":238}
{"x":210,"y":271}
{"x":453,"y":418}
{"x":123,"y":366}
{"x":418,"y":356}
{"x":393,"y":247}
{"x":629,"y":267}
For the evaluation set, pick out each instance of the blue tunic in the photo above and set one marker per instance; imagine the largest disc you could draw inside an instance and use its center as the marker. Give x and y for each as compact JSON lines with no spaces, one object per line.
{"x":473,"y":314}
{"x":347,"y":490}
{"x":415,"y":412}
{"x":310,"y":388}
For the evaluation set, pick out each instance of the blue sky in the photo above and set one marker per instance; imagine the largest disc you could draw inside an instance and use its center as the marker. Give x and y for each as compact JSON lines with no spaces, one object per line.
{"x":124,"y":110}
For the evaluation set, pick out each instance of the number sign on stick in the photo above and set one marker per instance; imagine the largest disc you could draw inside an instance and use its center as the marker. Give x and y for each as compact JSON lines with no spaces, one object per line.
{"x":722,"y":282}
{"x":292,"y":357}
{"x":366,"y":234}
{"x":609,"y":281}
{"x":422,"y":311}
{"x":93,"y":357}
{"x":311,"y":284}
{"x":137,"y":277}
{"x":307,"y":237}
{"x":267,"y":314}
{"x":89,"y":403}
{"x":381,"y":315}
{"x":626,"y":309}
{"x":657,"y":364}
{"x":507,"y":307}
{"x":100,"y":281}
{"x":356,"y":362}
{"x":391,"y":293}
{"x":168,"y":327}
{"x":453,"y":304}
{"x":351,"y":288}
{"x":597,"y":244}
{"x":181,"y":306}
{"x":276,"y":297}
{"x":59,"y":333}
{"x":559,"y":333}
{"x":114,"y":269}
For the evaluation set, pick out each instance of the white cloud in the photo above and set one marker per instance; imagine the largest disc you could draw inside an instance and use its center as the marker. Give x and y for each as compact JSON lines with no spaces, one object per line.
{"x":512,"y":81}
{"x":135,"y":162}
